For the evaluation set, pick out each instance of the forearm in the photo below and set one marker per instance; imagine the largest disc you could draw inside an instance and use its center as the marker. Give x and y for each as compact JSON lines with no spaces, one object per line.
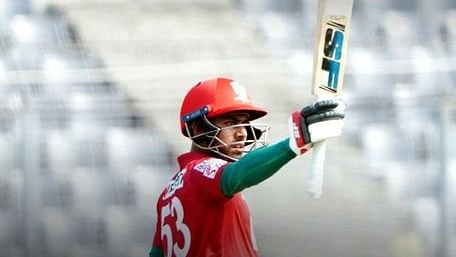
{"x":255,"y":167}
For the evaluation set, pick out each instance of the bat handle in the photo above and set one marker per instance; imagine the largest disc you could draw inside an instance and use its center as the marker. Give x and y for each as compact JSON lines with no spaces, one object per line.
{"x":315,"y":176}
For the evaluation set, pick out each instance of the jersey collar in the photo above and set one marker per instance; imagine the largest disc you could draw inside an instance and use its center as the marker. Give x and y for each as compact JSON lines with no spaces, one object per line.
{"x":186,"y":158}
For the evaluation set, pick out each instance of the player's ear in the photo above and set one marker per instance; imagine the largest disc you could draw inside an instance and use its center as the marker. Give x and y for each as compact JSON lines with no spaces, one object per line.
{"x":199,"y":131}
{"x":199,"y":126}
{"x":194,"y":128}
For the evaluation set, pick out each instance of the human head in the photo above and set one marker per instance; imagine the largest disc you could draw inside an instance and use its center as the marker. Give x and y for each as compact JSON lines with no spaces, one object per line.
{"x":211,"y":100}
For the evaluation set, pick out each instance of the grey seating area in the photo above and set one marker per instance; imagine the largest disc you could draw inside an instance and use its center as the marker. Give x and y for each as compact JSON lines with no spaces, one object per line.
{"x":89,"y":100}
{"x":77,"y":160}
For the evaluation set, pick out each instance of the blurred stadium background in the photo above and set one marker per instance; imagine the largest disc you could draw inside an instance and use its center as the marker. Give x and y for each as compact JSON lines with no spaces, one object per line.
{"x":89,"y":100}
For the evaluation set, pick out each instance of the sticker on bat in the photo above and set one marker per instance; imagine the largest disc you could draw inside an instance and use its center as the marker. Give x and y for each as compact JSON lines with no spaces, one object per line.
{"x":332,"y":55}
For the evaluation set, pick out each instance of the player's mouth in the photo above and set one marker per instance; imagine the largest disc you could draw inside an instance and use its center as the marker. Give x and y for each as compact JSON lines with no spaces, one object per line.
{"x":239,"y":147}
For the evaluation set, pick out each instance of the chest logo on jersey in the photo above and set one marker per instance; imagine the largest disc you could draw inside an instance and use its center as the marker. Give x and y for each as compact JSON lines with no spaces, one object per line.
{"x":209,"y":167}
{"x":175,"y":184}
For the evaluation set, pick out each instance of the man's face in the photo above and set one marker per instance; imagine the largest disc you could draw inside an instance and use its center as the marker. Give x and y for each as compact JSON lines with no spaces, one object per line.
{"x":232,"y":137}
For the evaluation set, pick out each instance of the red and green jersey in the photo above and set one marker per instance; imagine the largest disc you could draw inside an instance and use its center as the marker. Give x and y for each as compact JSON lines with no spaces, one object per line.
{"x":196,"y":219}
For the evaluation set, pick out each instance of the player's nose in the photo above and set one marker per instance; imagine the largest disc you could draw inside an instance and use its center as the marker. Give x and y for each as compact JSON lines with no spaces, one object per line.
{"x":241,"y":133}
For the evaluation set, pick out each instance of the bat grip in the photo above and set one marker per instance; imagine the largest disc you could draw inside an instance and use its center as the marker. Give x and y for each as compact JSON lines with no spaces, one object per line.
{"x":315,"y":176}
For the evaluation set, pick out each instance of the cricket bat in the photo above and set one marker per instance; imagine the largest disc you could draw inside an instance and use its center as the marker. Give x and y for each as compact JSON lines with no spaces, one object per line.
{"x":333,"y":25}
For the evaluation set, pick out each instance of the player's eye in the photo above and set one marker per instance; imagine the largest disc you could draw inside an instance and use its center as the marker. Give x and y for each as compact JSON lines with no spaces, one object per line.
{"x":229,"y":123}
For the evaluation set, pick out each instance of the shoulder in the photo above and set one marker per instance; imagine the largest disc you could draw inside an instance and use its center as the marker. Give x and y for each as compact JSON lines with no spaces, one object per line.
{"x":208,"y":167}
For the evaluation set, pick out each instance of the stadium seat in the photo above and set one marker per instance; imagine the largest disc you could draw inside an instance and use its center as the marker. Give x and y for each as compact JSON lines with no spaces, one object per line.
{"x":119,"y":230}
{"x":57,"y":231}
{"x":134,"y":147}
{"x":43,"y":31}
{"x":88,"y":189}
{"x":89,"y":236}
{"x":56,"y":192}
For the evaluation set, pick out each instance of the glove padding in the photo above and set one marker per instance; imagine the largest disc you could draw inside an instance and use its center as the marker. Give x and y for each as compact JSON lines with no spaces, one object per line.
{"x":317,"y":121}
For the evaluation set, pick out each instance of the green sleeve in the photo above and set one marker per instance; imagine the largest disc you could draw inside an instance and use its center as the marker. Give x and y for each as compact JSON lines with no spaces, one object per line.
{"x":155,"y":252}
{"x":255,"y":167}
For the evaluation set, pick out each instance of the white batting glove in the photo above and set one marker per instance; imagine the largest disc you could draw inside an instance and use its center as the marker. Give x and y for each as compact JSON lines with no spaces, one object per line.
{"x":317,"y":121}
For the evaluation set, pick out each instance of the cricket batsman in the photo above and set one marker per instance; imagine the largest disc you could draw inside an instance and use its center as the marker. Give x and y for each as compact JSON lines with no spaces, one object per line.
{"x":201,"y":211}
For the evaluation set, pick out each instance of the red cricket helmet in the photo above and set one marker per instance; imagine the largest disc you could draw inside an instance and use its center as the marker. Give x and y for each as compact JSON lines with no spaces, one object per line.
{"x":215,"y":97}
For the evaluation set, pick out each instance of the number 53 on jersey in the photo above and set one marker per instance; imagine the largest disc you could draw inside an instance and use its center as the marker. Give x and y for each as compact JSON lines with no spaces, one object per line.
{"x":174,"y":210}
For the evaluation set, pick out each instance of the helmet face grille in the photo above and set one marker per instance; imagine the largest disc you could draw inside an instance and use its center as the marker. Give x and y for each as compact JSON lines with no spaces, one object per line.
{"x":257,"y":136}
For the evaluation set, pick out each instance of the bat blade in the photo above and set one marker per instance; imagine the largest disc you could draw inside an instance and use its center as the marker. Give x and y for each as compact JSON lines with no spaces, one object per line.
{"x":330,"y":51}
